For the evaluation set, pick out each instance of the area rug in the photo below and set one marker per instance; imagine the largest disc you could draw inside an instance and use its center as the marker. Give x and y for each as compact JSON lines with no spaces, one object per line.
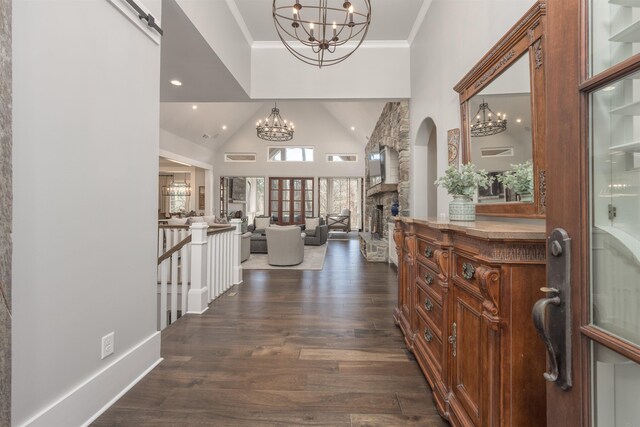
{"x":313,"y":260}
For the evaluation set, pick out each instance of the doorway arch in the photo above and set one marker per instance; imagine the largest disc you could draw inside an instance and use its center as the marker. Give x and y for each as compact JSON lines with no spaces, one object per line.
{"x":427,"y":155}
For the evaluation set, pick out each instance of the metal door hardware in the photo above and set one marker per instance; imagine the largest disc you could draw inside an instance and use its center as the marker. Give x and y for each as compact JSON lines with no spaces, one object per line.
{"x":613,"y":212}
{"x":453,"y":339}
{"x":428,"y":305}
{"x":552,"y":314}
{"x":428,"y":335}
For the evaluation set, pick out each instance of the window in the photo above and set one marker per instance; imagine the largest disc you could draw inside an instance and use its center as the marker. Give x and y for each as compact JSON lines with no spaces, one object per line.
{"x":337,"y":194}
{"x":497,"y":152}
{"x":290,"y":154}
{"x":290,"y":200}
{"x":239,"y":157}
{"x":342,"y":157}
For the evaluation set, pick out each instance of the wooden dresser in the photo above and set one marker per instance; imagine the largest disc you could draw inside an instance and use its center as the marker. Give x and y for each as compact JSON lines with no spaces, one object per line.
{"x":465,"y":294}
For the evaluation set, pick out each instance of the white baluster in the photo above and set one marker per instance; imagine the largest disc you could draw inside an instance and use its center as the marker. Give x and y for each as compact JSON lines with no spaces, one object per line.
{"x":217,"y":265}
{"x":184,"y":274}
{"x":199,"y":292}
{"x":174,"y":287}
{"x":236,"y":252}
{"x":228,"y":254}
{"x":164,"y":274}
{"x":210,"y":266}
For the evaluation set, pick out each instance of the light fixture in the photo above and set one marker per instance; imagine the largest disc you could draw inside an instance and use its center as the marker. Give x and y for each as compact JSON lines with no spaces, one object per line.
{"x":353,"y":128}
{"x":194,"y":107}
{"x":224,"y":127}
{"x":274,"y":128}
{"x":177,"y":188}
{"x":176,"y":82}
{"x":519,"y":120}
{"x":317,"y":33}
{"x":487,"y":122}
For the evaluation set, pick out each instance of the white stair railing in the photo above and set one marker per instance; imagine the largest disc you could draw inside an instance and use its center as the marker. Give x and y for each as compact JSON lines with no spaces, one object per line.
{"x":197,"y":265}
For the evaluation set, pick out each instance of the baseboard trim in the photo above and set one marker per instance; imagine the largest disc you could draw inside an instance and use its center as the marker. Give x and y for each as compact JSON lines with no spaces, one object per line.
{"x":89,"y":400}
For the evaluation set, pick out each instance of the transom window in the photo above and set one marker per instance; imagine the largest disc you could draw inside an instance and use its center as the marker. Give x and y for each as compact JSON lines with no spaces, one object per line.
{"x":290,"y":154}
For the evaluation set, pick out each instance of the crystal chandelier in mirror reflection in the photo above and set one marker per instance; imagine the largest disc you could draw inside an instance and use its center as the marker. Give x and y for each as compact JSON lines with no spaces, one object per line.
{"x":487,"y":122}
{"x":274,"y":128}
{"x":322,"y":32}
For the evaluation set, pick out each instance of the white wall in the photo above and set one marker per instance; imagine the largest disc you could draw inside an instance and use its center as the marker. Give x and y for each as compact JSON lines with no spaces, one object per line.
{"x":314,"y":126}
{"x":217,"y":24}
{"x":375,"y":71}
{"x":86,"y":108}
{"x":181,"y":149}
{"x":452,"y":38}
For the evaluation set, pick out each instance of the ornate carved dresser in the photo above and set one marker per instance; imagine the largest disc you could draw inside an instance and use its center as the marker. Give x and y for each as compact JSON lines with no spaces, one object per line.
{"x":465,"y":293}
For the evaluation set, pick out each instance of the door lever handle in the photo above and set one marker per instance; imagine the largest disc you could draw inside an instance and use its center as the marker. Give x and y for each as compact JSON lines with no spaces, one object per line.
{"x":552,"y":314}
{"x":539,"y":321}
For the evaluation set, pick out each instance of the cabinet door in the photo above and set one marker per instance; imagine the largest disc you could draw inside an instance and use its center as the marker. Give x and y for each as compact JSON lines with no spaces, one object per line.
{"x":468,"y":373}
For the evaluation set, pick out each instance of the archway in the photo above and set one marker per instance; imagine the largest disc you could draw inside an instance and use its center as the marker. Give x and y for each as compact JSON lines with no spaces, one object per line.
{"x":426,"y":154}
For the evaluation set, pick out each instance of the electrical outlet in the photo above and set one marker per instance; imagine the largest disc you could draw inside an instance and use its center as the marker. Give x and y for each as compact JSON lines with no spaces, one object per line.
{"x":108,"y":344}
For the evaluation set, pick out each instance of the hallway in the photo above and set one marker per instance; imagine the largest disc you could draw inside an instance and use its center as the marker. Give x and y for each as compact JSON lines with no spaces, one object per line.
{"x":289,"y":348}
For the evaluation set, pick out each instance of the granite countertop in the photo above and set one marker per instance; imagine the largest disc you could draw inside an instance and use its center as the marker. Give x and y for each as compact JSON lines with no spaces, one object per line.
{"x":498,"y":230}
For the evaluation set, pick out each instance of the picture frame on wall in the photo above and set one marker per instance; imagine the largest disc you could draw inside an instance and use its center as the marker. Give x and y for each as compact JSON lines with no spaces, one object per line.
{"x":201,"y":197}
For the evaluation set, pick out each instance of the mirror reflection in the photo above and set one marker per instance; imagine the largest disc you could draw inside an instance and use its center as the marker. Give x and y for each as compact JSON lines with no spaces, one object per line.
{"x":501,"y":135}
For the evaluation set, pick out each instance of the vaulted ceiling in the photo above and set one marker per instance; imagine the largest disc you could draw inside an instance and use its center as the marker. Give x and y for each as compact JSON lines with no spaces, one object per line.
{"x":223,"y":97}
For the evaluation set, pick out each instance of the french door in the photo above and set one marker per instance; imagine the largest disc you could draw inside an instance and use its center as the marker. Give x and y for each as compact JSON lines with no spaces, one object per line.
{"x":593,"y":193}
{"x":290,"y":200}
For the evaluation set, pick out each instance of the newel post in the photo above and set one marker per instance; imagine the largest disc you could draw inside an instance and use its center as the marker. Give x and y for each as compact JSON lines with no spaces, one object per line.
{"x":199,"y":292}
{"x":236,"y":248}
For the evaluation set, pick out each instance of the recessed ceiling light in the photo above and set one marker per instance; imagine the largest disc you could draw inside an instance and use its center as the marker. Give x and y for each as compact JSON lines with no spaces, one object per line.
{"x":609,"y":88}
{"x":176,"y":82}
{"x":224,"y":127}
{"x":519,"y":120}
{"x":194,"y":107}
{"x":353,"y":128}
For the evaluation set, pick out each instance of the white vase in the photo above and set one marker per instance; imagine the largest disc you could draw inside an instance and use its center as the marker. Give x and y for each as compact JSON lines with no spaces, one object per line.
{"x":462,"y":208}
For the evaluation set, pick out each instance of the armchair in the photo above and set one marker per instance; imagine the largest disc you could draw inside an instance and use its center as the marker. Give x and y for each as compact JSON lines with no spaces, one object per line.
{"x":285,"y":245}
{"x":316,"y":231}
{"x":341,"y":221}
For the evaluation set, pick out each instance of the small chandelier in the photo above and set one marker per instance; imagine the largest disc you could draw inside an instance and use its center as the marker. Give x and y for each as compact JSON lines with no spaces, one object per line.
{"x":315,"y":32}
{"x":274,"y":128}
{"x":487,"y":122}
{"x":177,"y":188}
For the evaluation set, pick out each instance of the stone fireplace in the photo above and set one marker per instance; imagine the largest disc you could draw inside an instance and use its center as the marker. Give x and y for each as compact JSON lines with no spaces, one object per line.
{"x":391,"y":136}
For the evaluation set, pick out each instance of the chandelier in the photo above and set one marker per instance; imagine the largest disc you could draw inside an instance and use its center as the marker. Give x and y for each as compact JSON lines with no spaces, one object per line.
{"x":177,"y":188}
{"x":487,"y":122}
{"x":274,"y":128}
{"x":318,"y":30}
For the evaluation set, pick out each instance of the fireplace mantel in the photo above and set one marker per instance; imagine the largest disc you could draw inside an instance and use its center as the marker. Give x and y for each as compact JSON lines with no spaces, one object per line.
{"x":382,"y":188}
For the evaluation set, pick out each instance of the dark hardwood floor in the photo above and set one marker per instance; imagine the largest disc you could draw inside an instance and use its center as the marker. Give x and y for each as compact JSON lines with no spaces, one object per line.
{"x":290,"y":348}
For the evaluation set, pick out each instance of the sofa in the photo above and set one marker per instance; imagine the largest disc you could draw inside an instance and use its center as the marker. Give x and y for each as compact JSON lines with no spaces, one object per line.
{"x":258,"y":236}
{"x":285,"y":245}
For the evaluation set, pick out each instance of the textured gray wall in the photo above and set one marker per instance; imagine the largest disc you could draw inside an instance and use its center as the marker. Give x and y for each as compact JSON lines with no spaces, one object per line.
{"x":5,"y":212}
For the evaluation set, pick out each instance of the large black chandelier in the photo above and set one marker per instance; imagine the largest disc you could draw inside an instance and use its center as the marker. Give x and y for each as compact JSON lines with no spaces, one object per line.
{"x":487,"y":122}
{"x":322,"y":32}
{"x":274,"y":128}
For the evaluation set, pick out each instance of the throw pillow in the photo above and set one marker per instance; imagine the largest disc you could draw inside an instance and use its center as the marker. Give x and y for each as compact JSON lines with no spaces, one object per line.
{"x":311,"y":224}
{"x":262,"y":222}
{"x":345,"y":212}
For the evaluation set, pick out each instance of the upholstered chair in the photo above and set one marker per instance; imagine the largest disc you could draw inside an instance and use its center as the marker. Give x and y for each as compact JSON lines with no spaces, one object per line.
{"x":285,"y":245}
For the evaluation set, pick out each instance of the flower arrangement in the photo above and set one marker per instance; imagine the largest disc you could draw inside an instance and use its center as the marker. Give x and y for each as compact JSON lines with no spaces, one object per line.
{"x":463,"y":181}
{"x":519,"y":178}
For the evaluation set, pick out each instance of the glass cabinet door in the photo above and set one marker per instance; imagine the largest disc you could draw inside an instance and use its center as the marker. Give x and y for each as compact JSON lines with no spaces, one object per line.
{"x":614,"y":147}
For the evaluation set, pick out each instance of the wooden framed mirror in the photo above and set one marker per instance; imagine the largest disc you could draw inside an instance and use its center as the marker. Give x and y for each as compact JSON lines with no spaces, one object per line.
{"x":502,"y":111}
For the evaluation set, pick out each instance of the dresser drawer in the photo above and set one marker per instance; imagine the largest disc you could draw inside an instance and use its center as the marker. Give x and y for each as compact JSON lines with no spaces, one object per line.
{"x":430,"y":308}
{"x":431,"y":343}
{"x":426,"y":252}
{"x":427,"y":277}
{"x":468,"y":271}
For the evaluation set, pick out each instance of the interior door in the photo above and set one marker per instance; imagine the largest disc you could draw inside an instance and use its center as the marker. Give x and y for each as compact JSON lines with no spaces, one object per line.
{"x":290,"y":200}
{"x":593,"y":193}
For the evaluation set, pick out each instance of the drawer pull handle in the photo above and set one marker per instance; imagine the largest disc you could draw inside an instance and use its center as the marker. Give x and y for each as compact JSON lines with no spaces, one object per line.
{"x":428,"y":305}
{"x":427,"y":335}
{"x":429,"y":279}
{"x":428,"y":252}
{"x":468,"y":271}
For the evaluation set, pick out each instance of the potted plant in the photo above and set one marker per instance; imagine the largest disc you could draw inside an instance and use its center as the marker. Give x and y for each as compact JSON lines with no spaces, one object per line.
{"x":462,"y":184}
{"x":519,"y":179}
